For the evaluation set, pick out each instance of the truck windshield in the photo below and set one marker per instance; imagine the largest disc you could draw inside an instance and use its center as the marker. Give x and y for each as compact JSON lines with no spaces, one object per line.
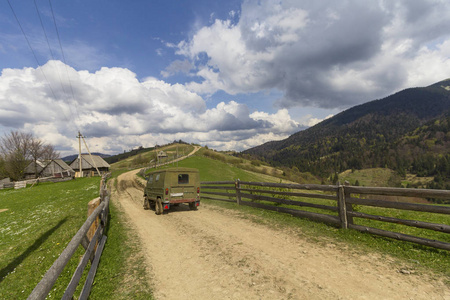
{"x":183,"y":178}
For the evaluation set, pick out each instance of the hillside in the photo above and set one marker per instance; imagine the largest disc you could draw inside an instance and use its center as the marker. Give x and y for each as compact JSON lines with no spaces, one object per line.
{"x":399,"y":132}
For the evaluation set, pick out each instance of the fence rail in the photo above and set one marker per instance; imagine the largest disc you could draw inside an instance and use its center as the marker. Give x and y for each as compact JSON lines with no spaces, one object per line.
{"x":339,"y":208}
{"x":93,"y":250}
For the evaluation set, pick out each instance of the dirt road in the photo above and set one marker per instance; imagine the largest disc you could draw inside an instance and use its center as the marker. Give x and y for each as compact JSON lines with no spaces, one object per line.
{"x":214,"y":254}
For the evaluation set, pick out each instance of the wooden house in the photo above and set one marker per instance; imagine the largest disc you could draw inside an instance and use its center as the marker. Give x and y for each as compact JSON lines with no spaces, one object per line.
{"x":90,"y":165}
{"x":48,"y":168}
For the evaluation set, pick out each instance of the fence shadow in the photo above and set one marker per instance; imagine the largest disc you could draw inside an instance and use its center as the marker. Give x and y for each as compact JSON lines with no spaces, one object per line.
{"x":18,"y":260}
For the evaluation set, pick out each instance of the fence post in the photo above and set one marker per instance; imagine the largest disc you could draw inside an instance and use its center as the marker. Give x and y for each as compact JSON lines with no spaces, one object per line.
{"x":237,"y":185}
{"x":92,"y":205}
{"x":350,"y":206}
{"x":342,"y":206}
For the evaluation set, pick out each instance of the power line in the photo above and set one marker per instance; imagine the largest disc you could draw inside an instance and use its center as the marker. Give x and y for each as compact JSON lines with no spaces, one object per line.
{"x":35,"y":57}
{"x":50,"y":49}
{"x":37,"y":61}
{"x":64,"y":60}
{"x":51,"y":52}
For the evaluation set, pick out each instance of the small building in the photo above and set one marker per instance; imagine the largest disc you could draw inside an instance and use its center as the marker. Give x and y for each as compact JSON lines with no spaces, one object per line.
{"x":162,"y":154}
{"x":48,"y":168}
{"x":90,"y":165}
{"x":58,"y":168}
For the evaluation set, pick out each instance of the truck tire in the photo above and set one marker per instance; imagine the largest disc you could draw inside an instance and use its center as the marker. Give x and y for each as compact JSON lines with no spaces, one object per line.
{"x":146,"y":203}
{"x":158,"y":207}
{"x":192,"y":206}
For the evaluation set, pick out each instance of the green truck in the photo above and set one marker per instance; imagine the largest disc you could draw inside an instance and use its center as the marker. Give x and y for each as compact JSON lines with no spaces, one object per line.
{"x":170,"y":187}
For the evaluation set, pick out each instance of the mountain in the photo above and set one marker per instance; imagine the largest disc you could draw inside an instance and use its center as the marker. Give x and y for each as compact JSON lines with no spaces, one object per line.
{"x":70,"y":158}
{"x":375,"y":134}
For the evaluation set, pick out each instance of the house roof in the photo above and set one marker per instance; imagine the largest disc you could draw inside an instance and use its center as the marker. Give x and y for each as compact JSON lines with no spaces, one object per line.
{"x":62,"y":164}
{"x":31,"y":168}
{"x":87,"y":162}
{"x":43,"y":164}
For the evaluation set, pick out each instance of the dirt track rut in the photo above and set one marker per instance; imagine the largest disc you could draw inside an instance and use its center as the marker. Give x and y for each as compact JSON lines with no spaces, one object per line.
{"x":214,"y":254}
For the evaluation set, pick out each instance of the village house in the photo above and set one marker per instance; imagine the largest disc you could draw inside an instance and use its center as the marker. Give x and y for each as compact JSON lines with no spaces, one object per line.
{"x":90,"y":165}
{"x":56,"y":168}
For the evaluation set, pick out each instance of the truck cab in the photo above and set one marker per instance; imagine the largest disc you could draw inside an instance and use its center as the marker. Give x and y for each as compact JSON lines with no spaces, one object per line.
{"x":170,"y":187}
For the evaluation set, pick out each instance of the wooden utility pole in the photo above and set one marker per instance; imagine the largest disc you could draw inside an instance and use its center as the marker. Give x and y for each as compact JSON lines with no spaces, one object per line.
{"x":80,"y":173}
{"x":80,"y":136}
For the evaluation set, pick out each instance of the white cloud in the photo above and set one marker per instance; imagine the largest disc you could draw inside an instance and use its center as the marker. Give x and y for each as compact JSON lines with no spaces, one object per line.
{"x":118,"y":112}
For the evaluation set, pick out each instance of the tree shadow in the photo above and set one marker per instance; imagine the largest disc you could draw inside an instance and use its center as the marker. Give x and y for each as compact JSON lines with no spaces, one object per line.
{"x":18,"y":260}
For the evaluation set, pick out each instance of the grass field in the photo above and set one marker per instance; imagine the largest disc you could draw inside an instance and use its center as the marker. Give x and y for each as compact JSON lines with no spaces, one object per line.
{"x":36,"y":227}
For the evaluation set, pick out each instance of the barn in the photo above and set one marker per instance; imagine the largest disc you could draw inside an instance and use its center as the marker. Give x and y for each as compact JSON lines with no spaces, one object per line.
{"x":89,"y":165}
{"x":48,"y":168}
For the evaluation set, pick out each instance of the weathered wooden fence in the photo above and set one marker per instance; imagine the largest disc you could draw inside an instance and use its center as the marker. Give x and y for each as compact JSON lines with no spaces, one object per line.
{"x":93,"y":244}
{"x":338,"y":203}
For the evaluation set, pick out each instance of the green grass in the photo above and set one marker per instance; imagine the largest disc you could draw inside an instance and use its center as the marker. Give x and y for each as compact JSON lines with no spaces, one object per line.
{"x":36,"y":228}
{"x":368,"y":177}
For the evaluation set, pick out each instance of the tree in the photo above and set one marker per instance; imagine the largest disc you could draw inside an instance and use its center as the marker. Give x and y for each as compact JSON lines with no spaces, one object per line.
{"x":49,"y":152}
{"x":18,"y":149}
{"x":36,"y":149}
{"x":15,"y":148}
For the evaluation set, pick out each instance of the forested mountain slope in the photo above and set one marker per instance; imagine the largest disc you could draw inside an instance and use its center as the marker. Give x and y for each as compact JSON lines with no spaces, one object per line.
{"x":397,"y":132}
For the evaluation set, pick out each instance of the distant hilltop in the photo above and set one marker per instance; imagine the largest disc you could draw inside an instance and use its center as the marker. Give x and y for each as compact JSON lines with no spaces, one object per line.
{"x":72,"y":157}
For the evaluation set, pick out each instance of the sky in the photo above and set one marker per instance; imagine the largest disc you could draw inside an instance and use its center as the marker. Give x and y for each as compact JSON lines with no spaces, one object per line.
{"x":227,"y":74}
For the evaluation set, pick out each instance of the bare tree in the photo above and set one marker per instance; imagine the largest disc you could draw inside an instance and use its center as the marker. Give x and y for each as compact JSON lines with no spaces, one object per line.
{"x":18,"y":149}
{"x":49,"y":152}
{"x":36,"y":151}
{"x":15,"y":148}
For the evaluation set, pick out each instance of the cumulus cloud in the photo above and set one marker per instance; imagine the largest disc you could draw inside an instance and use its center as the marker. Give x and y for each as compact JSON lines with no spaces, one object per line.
{"x":328,"y":54}
{"x":117,"y":112}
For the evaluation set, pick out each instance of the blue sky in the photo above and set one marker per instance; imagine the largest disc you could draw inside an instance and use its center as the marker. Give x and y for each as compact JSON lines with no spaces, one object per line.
{"x":227,"y":74}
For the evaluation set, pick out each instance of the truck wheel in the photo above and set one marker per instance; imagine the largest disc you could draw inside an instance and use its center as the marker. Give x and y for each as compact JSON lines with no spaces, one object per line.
{"x":192,"y":206}
{"x":159,"y":208}
{"x":146,"y":203}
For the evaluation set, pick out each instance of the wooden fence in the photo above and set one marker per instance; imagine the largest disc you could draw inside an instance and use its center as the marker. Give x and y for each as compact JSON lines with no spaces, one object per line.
{"x":92,"y":239}
{"x":338,"y":202}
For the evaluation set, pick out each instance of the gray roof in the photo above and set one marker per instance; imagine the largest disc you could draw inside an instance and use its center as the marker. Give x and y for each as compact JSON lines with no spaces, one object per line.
{"x":88,"y":163}
{"x":40,"y":165}
{"x":62,"y":164}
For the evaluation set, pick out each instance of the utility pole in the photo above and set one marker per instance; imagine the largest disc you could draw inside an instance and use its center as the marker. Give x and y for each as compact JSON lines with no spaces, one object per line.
{"x":79,"y":137}
{"x":80,"y":173}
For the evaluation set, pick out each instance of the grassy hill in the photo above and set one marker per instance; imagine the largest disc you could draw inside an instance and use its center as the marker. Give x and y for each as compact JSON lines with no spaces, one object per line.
{"x":215,"y":165}
{"x":148,"y":155}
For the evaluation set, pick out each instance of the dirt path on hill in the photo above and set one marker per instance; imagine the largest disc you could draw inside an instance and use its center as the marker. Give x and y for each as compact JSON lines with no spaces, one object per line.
{"x":214,"y":254}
